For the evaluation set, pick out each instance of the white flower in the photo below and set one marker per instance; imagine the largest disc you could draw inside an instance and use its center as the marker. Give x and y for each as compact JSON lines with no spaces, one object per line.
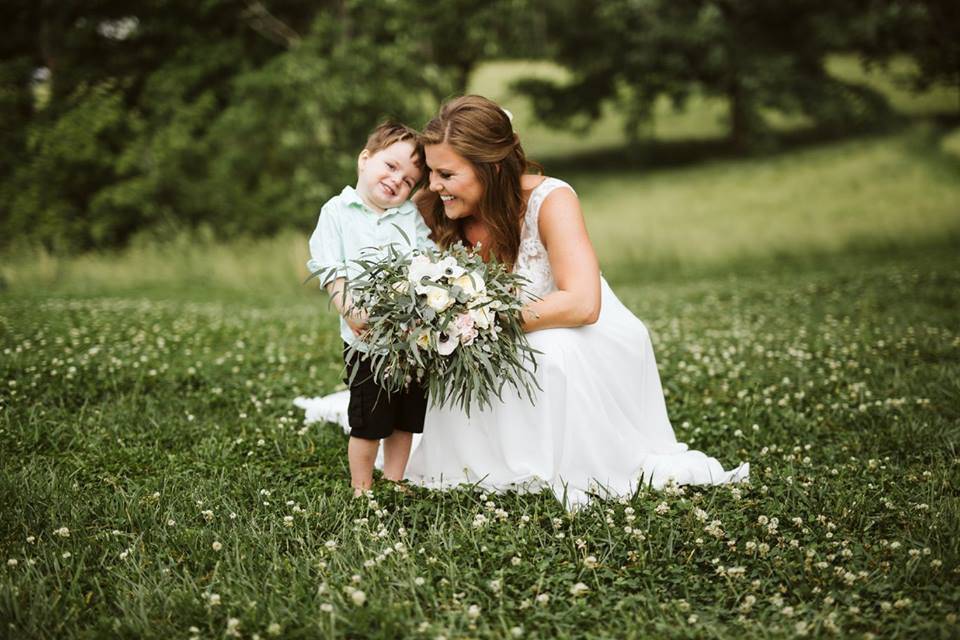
{"x":482,"y":317}
{"x":447,"y":343}
{"x":330,"y":544}
{"x":494,"y":585}
{"x":274,"y":629}
{"x":12,"y":562}
{"x":590,"y":562}
{"x":420,"y":268}
{"x":232,"y":627}
{"x":579,"y":589}
{"x":63,"y":532}
{"x":662,"y":508}
{"x":214,"y":599}
{"x":419,"y":581}
{"x":449,"y":268}
{"x":472,"y":283}
{"x":543,"y":598}
{"x":326,"y":607}
{"x":438,"y":298}
{"x":216,"y":545}
{"x":473,"y":612}
{"x":358,"y":597}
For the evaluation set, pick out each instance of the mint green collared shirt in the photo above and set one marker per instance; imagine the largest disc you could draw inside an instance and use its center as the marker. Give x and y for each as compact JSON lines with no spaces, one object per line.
{"x":348,"y":229}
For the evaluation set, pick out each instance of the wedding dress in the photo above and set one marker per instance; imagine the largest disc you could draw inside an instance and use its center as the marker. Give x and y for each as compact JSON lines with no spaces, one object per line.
{"x":599,"y":426}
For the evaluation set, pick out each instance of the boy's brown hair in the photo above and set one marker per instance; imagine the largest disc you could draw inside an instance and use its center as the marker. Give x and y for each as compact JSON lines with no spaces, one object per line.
{"x":391,"y":132}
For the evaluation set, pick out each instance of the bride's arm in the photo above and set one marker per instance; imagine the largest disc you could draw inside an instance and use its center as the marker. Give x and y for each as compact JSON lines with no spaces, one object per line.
{"x":576,"y":301}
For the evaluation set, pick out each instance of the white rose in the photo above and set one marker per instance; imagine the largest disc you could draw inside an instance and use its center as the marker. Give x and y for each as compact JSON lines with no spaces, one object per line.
{"x":472,"y":283}
{"x":482,"y":317}
{"x":438,"y":298}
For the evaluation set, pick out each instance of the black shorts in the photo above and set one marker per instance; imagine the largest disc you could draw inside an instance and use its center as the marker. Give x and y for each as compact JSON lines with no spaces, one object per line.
{"x":375,"y":415}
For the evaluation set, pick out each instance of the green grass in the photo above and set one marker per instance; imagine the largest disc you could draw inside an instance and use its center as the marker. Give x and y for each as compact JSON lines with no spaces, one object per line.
{"x":124,"y":418}
{"x":804,"y":309}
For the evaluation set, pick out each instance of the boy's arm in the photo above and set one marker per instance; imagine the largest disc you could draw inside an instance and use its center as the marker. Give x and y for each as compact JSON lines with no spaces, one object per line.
{"x":355,"y":317}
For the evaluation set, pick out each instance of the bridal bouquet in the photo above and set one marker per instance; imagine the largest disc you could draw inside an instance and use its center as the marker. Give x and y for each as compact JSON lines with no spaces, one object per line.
{"x":447,"y":319}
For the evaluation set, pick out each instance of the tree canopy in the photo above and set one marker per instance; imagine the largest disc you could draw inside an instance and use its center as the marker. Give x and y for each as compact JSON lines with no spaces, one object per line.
{"x":245,"y":115}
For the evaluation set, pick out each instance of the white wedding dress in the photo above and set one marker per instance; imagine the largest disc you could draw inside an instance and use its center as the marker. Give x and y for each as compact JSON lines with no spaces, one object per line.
{"x":599,"y":425}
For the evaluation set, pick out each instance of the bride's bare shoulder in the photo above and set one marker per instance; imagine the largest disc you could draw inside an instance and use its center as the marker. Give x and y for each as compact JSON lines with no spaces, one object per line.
{"x":530,"y":181}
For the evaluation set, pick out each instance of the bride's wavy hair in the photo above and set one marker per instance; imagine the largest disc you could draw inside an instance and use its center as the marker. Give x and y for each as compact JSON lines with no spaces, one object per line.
{"x":481,"y":132}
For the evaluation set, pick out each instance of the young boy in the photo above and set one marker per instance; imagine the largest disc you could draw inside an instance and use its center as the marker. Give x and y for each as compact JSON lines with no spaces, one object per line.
{"x":357,"y":223}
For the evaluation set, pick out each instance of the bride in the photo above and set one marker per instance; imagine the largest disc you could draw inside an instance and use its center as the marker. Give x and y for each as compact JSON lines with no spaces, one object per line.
{"x":599,"y":425}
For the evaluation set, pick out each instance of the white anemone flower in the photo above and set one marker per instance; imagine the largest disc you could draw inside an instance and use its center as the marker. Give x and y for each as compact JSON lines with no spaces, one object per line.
{"x":420,"y":268}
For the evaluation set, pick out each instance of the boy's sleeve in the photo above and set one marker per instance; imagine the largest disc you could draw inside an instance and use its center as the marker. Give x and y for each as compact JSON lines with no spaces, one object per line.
{"x":422,"y":240}
{"x":326,"y":248}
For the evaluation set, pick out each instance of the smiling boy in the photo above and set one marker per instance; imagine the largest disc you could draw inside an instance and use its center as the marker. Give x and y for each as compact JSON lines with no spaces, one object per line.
{"x":359,"y":223}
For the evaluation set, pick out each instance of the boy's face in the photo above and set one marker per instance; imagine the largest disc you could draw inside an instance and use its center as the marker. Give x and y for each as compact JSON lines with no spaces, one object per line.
{"x":386,"y":178}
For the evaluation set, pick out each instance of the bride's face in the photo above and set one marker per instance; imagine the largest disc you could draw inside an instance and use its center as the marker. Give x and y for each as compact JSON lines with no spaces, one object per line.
{"x":453,"y":177}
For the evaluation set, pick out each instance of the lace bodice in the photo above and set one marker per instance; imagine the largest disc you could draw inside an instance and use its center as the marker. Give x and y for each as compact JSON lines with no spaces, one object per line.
{"x":532,"y":260}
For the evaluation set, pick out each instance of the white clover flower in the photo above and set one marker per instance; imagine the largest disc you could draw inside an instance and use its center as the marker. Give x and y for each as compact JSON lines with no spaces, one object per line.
{"x":419,"y":581}
{"x":516,"y":632}
{"x":543,"y":598}
{"x":590,"y":562}
{"x":326,"y":607}
{"x":12,"y":562}
{"x":31,"y":539}
{"x":216,"y":545}
{"x":233,"y":627}
{"x":358,"y":597}
{"x":214,"y":599}
{"x":63,"y":532}
{"x":288,"y":521}
{"x":473,"y":612}
{"x":662,"y":508}
{"x":579,"y":589}
{"x":274,"y":629}
{"x":66,"y":554}
{"x":494,"y":586}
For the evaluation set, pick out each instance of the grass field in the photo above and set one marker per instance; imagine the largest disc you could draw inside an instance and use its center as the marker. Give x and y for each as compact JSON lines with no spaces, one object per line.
{"x":156,"y":480}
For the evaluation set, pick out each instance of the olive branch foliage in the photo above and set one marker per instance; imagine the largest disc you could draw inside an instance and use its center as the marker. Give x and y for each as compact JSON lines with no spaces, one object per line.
{"x":404,"y":333}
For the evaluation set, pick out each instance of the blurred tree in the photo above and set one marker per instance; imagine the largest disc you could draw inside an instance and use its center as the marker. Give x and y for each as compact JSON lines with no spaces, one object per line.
{"x":754,"y":53}
{"x":928,"y":31}
{"x":243,"y":115}
{"x":461,"y":33}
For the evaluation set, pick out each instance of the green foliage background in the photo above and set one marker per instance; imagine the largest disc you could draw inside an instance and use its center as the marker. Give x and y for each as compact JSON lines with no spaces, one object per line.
{"x":239,"y":117}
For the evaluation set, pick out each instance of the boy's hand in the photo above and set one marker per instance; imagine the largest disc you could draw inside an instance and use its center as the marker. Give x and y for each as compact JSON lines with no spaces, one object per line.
{"x":357,"y":321}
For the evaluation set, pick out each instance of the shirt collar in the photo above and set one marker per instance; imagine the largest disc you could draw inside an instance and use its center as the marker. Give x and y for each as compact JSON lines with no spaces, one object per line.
{"x":352,"y":199}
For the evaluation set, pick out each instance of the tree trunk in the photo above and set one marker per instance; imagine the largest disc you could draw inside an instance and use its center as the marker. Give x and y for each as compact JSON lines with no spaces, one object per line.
{"x":741,"y":116}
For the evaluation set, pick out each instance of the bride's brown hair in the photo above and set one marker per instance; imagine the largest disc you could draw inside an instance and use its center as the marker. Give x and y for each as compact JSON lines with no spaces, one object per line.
{"x":480,"y":131}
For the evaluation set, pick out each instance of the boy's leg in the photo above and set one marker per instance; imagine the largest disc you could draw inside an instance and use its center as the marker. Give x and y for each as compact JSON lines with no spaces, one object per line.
{"x":396,"y":452}
{"x":362,"y":453}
